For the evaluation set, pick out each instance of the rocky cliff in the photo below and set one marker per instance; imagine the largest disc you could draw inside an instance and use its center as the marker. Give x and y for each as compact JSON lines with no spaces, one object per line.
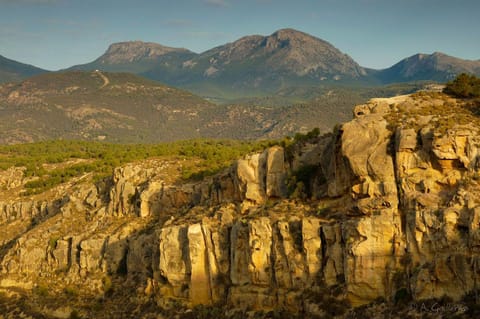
{"x":382,"y":214}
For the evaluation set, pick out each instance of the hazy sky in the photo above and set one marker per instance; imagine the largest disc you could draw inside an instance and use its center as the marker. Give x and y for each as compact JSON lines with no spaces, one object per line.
{"x":55,"y":34}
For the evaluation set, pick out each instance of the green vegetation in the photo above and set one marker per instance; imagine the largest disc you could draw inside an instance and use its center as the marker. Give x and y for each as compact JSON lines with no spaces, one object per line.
{"x":464,"y":86}
{"x":41,"y":290}
{"x":77,"y":106}
{"x":299,"y":137}
{"x":299,"y":183}
{"x":107,"y":284}
{"x":131,"y":109}
{"x":52,"y":243}
{"x":289,"y":144}
{"x":71,"y":291}
{"x":76,"y":158}
{"x":75,"y":315}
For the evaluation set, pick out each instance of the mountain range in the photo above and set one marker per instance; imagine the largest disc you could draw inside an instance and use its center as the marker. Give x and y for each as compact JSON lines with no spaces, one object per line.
{"x":259,"y":65}
{"x":275,"y":86}
{"x":11,"y":70}
{"x":435,"y":67}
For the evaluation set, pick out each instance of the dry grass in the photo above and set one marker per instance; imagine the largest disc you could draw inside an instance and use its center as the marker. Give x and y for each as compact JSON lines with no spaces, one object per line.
{"x":438,"y":110}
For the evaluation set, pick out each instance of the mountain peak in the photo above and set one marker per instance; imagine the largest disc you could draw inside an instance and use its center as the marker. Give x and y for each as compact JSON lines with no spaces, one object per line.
{"x":436,"y":53}
{"x":286,"y":53}
{"x":286,"y":57}
{"x":131,"y":51}
{"x":287,"y":38}
{"x":289,"y":32}
{"x":437,"y":66}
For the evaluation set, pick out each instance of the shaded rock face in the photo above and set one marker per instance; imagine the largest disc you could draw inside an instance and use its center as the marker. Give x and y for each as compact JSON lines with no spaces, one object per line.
{"x":397,"y":210}
{"x":11,"y":211}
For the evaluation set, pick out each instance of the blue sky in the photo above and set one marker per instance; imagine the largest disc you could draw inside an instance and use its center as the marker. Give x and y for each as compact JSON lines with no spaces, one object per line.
{"x":55,"y":34}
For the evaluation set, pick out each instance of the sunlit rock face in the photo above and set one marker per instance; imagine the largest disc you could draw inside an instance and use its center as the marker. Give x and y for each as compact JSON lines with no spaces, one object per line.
{"x":387,"y":206}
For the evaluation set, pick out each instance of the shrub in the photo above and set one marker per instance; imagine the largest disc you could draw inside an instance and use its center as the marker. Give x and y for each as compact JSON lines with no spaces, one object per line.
{"x":464,"y":86}
{"x":299,"y":137}
{"x":107,"y":285}
{"x":71,"y":291}
{"x":299,"y":183}
{"x":41,"y":290}
{"x":52,"y":243}
{"x":402,"y":296}
{"x":75,"y":315}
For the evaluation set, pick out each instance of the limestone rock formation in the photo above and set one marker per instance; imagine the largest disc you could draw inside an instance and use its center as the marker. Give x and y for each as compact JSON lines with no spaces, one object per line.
{"x":391,"y":212}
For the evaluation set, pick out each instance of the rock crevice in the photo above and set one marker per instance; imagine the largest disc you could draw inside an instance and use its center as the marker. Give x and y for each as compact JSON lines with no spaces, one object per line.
{"x":392,"y":208}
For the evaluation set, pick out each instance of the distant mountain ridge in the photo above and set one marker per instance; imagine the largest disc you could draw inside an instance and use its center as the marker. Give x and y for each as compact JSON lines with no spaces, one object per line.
{"x":138,"y":57}
{"x":257,"y":65}
{"x":286,"y":51}
{"x":272,"y":62}
{"x":436,"y":66}
{"x":11,"y":70}
{"x":125,"y":52}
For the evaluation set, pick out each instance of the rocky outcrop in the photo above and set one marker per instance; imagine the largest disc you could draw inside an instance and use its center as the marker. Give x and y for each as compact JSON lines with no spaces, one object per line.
{"x":134,"y":51}
{"x":390,"y":212}
{"x":11,"y":178}
{"x":262,"y":176}
{"x":22,"y":210}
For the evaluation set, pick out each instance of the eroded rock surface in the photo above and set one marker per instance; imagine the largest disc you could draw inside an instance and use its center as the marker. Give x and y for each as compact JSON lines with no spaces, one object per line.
{"x":389,"y":208}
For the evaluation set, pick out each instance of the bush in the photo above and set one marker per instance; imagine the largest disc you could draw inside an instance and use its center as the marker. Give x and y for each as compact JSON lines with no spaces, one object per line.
{"x":464,"y":86}
{"x":75,"y":315}
{"x":300,"y":181}
{"x":41,"y":290}
{"x":301,"y":138}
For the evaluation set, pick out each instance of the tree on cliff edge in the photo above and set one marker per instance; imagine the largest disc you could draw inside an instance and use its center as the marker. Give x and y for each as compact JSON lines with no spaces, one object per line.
{"x":464,"y":86}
